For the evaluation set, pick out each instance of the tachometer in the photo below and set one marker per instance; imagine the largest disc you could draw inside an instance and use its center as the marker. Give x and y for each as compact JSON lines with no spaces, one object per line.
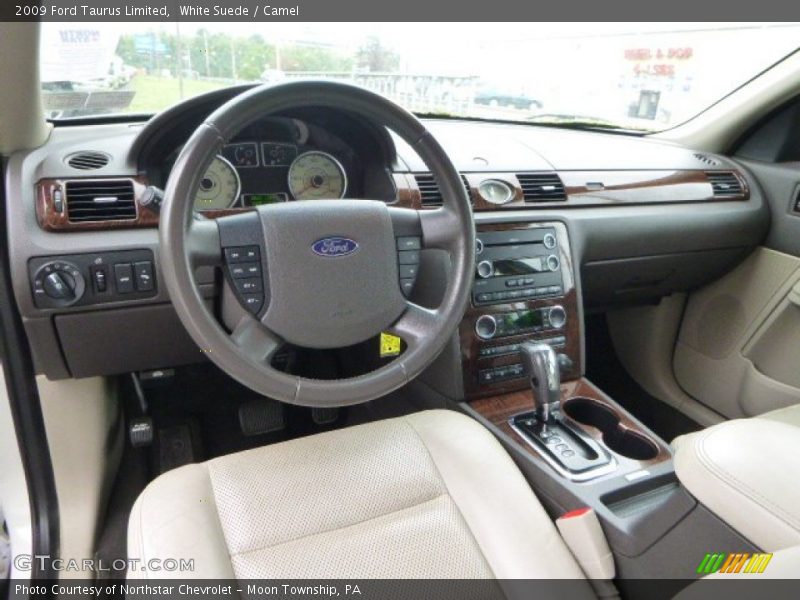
{"x":219,"y":187}
{"x":316,"y":176}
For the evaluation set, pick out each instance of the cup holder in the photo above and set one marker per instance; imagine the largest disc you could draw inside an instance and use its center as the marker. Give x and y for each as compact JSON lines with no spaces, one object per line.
{"x":622,"y":441}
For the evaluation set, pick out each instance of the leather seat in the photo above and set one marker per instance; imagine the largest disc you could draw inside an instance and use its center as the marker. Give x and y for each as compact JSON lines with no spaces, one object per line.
{"x":745,"y":471}
{"x":430,"y":495}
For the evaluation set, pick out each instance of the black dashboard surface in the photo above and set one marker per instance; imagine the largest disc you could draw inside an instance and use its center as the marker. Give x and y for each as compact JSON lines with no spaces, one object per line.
{"x":613,"y":246}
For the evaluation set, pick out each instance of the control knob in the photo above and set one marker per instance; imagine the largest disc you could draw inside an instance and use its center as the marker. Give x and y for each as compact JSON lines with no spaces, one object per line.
{"x":60,"y":282}
{"x":485,"y":269}
{"x":486,"y":327}
{"x":557,"y":317}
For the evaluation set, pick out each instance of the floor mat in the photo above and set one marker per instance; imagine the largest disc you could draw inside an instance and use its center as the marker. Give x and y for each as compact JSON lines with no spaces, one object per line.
{"x":605,"y":370}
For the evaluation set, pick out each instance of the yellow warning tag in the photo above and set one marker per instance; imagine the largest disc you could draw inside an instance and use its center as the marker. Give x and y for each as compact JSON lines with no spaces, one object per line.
{"x":390,"y":345}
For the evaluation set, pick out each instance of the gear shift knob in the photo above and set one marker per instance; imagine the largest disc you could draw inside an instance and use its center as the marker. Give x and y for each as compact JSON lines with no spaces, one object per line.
{"x":541,"y":364}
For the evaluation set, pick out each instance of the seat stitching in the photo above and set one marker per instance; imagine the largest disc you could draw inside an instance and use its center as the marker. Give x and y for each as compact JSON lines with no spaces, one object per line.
{"x":444,"y":483}
{"x":345,"y":527}
{"x":743,"y":488}
{"x":210,"y":477}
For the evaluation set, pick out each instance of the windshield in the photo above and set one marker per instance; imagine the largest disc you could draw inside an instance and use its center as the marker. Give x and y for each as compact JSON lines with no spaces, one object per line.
{"x":645,"y":77}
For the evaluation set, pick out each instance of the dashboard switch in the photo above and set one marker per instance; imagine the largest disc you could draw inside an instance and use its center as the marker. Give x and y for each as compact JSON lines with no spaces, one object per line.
{"x":144,"y":275}
{"x":123,"y":276}
{"x":100,"y":278}
{"x":59,"y":286}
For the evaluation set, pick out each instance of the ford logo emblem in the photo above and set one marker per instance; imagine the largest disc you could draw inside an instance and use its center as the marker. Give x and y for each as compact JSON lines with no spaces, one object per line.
{"x":334,"y":246}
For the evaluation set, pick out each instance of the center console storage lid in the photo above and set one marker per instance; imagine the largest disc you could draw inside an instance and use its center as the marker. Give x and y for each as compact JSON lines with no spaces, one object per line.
{"x":744,"y":471}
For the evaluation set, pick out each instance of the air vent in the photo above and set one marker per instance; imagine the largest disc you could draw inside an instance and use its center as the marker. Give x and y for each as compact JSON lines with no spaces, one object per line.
{"x":429,"y":189}
{"x":100,"y":200}
{"x":88,"y":161}
{"x":541,"y":187}
{"x":725,"y":184}
{"x":709,"y":160}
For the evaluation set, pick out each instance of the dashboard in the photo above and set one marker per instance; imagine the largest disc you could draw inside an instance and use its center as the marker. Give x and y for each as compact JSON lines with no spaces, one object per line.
{"x":569,"y":220}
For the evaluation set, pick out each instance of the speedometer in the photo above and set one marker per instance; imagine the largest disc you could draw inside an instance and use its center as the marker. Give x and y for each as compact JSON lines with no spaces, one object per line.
{"x":316,"y":176}
{"x":219,"y":187}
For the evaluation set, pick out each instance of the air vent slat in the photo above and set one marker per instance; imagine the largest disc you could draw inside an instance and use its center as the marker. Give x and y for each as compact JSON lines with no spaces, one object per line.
{"x":725,"y":184}
{"x":541,"y":187}
{"x":109,"y":200}
{"x":429,"y":189}
{"x":88,"y":160}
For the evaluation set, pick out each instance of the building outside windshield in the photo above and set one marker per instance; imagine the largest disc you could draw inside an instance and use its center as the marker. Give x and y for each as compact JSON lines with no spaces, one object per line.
{"x":629,"y":76}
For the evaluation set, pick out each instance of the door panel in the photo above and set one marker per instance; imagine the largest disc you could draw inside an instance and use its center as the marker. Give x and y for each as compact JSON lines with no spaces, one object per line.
{"x":738,"y":350}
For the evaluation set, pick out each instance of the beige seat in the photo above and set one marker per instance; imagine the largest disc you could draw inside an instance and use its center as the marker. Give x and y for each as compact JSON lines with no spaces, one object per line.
{"x":430,"y":495}
{"x":746,"y":472}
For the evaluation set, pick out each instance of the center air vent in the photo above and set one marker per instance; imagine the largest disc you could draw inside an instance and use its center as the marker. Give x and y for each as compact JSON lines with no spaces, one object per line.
{"x":725,"y":184}
{"x":100,"y":200}
{"x":541,"y":187}
{"x":429,"y":189}
{"x":88,"y":160}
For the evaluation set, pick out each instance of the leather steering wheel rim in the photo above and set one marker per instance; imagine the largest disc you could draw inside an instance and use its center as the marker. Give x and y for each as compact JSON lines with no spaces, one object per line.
{"x":188,"y":242}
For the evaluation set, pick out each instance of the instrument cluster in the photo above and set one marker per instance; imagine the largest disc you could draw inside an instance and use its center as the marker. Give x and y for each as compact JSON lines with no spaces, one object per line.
{"x":296,"y":162}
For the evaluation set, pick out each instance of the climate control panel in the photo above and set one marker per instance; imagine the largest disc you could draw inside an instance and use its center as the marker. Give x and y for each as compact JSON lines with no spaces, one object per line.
{"x":489,"y":326}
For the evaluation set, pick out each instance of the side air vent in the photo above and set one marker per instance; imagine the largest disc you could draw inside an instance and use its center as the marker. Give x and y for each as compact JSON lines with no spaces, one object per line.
{"x":725,"y":184}
{"x":429,"y":189}
{"x":88,"y":160}
{"x":541,"y":187}
{"x":100,"y":200}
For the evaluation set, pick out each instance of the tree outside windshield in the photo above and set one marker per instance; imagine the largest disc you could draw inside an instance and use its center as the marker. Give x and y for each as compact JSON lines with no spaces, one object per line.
{"x":635,"y":76}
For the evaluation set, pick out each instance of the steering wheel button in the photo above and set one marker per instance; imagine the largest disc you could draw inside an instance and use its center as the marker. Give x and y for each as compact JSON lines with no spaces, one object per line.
{"x":249,"y":285}
{"x":408,"y":271}
{"x":406,"y":285}
{"x":409,"y":243}
{"x":408,"y":257}
{"x":234,"y":255}
{"x":243,"y":270}
{"x":253,"y":302}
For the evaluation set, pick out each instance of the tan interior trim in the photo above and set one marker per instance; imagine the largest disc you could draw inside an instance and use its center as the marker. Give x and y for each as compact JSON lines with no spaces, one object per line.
{"x":22,"y":122}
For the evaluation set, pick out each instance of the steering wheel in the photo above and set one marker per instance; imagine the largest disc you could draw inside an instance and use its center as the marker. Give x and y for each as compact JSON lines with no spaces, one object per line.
{"x":329,"y":269}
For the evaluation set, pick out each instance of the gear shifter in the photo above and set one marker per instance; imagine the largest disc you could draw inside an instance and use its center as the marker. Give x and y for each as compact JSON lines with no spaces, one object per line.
{"x":541,"y":364}
{"x":566,"y":447}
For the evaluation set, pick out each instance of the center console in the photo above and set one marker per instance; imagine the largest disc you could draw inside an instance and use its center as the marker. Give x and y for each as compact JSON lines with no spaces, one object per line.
{"x":521,"y":355}
{"x":524,"y":289}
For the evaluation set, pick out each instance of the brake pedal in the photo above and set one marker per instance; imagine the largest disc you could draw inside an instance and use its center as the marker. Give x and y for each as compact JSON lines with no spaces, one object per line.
{"x":324,"y":416}
{"x":261,"y":416}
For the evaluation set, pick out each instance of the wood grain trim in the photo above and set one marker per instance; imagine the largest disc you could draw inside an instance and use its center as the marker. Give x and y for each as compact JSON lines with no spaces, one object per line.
{"x":51,"y":220}
{"x":472,"y":363}
{"x":499,"y":409}
{"x":592,"y":188}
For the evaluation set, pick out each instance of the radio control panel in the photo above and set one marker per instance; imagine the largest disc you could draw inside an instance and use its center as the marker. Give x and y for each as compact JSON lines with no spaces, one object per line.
{"x":523,"y":290}
{"x":517,"y":265}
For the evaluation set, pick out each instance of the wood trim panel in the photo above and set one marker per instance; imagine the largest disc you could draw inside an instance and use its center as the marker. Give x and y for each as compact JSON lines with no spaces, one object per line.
{"x":499,"y":409}
{"x":591,"y":188}
{"x":472,"y":363}
{"x":51,"y":220}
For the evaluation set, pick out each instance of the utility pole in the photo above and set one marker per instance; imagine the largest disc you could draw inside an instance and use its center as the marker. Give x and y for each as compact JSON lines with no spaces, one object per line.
{"x":179,"y":58}
{"x":233,"y":61}
{"x":205,"y":44}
